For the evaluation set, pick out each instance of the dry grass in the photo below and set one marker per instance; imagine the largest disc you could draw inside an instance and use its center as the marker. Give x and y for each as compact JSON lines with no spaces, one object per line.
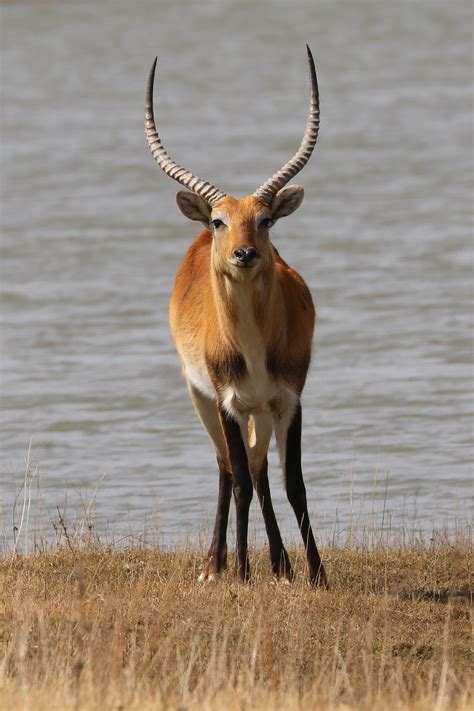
{"x":100,"y":629}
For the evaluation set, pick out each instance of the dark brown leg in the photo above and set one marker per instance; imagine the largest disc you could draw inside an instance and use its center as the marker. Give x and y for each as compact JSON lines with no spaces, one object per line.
{"x":217,"y":556}
{"x":296,"y":493}
{"x":279,"y":557}
{"x":243,"y":491}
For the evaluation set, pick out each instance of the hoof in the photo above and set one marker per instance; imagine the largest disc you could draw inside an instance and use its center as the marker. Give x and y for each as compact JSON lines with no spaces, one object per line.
{"x":282,"y":580}
{"x":284,"y":576}
{"x":241,"y":577}
{"x":242,"y":581}
{"x":206,"y":577}
{"x":214,"y":564}
{"x":319,"y":580}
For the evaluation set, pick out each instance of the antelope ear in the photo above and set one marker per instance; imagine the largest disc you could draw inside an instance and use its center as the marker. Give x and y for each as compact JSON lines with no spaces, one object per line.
{"x":194,"y":206}
{"x":286,"y":201}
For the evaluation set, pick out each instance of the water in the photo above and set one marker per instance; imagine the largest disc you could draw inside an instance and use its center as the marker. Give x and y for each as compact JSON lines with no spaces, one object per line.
{"x":92,"y":238}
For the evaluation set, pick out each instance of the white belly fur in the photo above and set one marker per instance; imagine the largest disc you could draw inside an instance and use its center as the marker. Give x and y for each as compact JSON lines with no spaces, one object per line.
{"x":199,"y":379}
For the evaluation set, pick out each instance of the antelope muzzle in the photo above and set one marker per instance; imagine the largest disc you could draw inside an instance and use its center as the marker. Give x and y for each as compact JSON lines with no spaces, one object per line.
{"x":246,"y":257}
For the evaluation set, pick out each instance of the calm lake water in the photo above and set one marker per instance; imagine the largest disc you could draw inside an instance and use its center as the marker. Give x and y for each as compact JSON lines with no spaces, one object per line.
{"x":92,"y":238}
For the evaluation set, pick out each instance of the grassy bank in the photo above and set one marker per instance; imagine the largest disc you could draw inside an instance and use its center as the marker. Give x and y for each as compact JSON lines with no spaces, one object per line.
{"x":97,"y":629}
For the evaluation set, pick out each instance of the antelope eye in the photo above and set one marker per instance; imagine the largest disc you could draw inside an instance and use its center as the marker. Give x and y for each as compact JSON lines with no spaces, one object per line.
{"x":266,"y":222}
{"x":216,"y":224}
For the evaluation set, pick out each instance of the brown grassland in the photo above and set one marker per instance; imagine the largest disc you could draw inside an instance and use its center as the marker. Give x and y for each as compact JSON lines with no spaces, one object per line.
{"x":92,"y":628}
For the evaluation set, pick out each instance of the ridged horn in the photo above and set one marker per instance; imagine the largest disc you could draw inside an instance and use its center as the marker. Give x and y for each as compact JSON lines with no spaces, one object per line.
{"x":270,"y":188}
{"x":209,"y":192}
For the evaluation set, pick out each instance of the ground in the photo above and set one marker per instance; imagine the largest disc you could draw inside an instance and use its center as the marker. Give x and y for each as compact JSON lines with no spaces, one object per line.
{"x":93,"y":628}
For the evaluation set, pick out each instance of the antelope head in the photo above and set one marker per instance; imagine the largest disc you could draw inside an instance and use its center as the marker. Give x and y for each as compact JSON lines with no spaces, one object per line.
{"x":241,"y":246}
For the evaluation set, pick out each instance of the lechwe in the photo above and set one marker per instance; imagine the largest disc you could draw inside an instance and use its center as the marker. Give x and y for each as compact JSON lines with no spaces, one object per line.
{"x":242,"y":321}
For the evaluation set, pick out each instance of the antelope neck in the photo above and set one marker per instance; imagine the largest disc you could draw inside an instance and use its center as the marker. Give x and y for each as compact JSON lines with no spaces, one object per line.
{"x":246,"y":309}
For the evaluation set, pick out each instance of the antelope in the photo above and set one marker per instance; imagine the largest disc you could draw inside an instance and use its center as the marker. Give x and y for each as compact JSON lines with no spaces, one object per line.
{"x":242,"y":321}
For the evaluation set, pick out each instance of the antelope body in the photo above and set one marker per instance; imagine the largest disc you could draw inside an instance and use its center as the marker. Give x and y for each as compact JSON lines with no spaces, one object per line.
{"x":242,"y":321}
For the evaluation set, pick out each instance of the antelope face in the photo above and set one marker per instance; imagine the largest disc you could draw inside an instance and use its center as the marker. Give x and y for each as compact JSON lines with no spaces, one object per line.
{"x":241,"y":247}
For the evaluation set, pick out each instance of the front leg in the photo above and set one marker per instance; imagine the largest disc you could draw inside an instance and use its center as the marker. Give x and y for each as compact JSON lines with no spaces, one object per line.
{"x":217,"y":556}
{"x":243,"y":490}
{"x":208,"y":412}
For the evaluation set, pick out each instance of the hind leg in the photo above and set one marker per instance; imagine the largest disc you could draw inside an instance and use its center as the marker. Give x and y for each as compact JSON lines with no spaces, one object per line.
{"x":288,"y":436}
{"x":260,"y":440}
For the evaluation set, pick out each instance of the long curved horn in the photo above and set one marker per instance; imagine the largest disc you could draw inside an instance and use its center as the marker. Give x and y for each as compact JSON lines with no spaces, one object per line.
{"x":210,"y":193}
{"x":269,"y":189}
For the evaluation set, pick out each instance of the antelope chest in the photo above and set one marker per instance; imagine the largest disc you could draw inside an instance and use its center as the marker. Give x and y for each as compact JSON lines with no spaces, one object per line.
{"x":256,"y":391}
{"x":253,"y":393}
{"x":245,"y":386}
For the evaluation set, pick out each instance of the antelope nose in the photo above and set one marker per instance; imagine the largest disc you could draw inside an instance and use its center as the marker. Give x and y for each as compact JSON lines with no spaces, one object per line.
{"x":245,"y":256}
